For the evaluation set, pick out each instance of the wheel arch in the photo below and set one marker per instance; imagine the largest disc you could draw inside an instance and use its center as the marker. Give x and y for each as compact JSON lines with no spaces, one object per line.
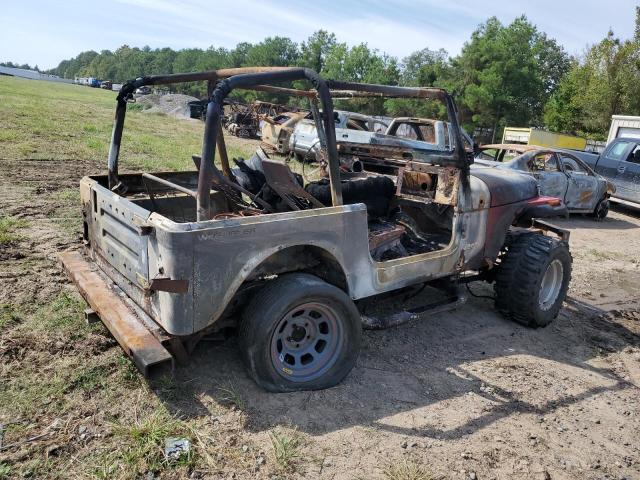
{"x":300,"y":258}
{"x":309,"y":258}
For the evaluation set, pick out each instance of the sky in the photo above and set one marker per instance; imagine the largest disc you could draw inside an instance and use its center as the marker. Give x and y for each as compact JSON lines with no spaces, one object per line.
{"x":44,"y":32}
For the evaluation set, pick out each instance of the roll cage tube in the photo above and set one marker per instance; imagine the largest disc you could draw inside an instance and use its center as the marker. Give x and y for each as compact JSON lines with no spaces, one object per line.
{"x":114,"y":147}
{"x":126,"y":93}
{"x":208,"y":170}
{"x":252,"y":78}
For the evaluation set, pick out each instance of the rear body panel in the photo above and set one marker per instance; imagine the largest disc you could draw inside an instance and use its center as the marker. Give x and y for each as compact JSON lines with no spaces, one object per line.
{"x":136,"y":248}
{"x":118,"y":235}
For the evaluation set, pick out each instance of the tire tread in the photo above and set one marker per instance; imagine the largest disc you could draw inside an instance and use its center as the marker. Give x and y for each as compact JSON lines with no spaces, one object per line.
{"x":519,"y":274}
{"x":253,"y":321}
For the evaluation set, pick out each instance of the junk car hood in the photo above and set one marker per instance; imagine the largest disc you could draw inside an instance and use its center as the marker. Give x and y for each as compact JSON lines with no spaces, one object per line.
{"x":506,"y":186}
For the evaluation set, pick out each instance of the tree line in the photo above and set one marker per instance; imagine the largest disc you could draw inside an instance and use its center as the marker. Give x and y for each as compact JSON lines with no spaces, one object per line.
{"x":24,"y":66}
{"x":511,"y":74}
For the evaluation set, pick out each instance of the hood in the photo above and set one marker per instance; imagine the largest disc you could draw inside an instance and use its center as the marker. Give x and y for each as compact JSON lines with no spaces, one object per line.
{"x":506,"y":186}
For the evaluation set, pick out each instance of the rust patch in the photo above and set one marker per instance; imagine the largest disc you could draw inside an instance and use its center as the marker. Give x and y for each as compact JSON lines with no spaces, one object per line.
{"x":127,"y":329}
{"x":586,"y":195}
{"x":447,"y":188}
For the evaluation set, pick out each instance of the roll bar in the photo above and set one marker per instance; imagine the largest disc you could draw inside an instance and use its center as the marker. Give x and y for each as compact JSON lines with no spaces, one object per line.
{"x":208,"y":170}
{"x":223,"y":82}
{"x":126,"y":93}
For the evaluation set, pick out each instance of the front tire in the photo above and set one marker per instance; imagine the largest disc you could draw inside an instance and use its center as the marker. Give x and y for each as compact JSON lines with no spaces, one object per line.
{"x":532,"y":279}
{"x":299,"y":333}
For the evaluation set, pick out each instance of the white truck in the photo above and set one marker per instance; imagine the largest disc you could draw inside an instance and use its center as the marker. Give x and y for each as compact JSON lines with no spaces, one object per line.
{"x":623,"y":126}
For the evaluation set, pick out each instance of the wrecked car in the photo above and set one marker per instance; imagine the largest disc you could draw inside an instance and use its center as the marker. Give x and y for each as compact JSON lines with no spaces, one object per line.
{"x":286,"y":262}
{"x":427,"y":130}
{"x":304,"y":142}
{"x":246,"y":121}
{"x":560,"y":173}
{"x":421,"y":131}
{"x":276,"y":131}
{"x":243,"y":124}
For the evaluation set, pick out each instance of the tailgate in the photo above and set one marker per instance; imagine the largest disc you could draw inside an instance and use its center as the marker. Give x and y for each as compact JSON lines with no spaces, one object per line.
{"x":120,"y":234}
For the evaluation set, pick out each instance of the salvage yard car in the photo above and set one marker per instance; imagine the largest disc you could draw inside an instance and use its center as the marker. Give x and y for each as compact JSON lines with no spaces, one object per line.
{"x":427,"y":130}
{"x":276,"y":131}
{"x":304,"y":141}
{"x":560,"y":173}
{"x":173,"y":256}
{"x":620,"y":163}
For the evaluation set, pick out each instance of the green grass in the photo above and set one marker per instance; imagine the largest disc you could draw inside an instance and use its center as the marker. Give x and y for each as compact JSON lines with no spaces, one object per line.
{"x":46,"y":120}
{"x":405,"y":470}
{"x":8,"y":315}
{"x":65,"y":312}
{"x":66,"y":215}
{"x":42,"y":334}
{"x":286,"y":446}
{"x":230,"y":395}
{"x":9,"y":227}
{"x":5,"y":470}
{"x":601,"y":255}
{"x":141,"y":444}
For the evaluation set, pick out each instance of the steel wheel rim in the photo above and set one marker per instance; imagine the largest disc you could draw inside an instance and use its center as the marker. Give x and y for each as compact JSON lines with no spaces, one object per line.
{"x":551,"y":284}
{"x":306,"y":342}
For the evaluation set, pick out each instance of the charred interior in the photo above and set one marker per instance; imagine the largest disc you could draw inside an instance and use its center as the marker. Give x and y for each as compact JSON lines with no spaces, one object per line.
{"x":409,"y":186}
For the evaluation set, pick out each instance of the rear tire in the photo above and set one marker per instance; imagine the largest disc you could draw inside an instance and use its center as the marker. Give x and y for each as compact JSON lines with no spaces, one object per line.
{"x":532,"y":279}
{"x":299,"y":333}
{"x":602,"y":209}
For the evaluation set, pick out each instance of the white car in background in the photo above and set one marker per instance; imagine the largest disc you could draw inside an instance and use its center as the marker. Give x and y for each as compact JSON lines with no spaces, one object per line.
{"x":304,"y":141}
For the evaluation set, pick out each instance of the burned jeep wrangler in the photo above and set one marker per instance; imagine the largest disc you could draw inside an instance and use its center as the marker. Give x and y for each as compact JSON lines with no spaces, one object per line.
{"x":286,"y":261}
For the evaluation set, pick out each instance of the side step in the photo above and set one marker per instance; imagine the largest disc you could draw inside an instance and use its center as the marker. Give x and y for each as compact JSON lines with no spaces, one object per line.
{"x":404,"y":316}
{"x":136,"y":340}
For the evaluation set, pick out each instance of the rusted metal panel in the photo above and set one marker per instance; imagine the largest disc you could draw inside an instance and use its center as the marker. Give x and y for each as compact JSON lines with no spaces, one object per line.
{"x":447,"y":188}
{"x":415,"y":183}
{"x":563,"y":233}
{"x":137,"y":342}
{"x":164,"y":284}
{"x":377,"y":239}
{"x":119,"y":236}
{"x":415,"y":180}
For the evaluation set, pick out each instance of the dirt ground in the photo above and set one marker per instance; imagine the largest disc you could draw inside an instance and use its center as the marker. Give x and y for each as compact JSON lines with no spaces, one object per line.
{"x":463,"y":395}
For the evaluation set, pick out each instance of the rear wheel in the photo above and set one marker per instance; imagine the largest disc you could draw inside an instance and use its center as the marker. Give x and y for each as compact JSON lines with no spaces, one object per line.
{"x":602,"y":209}
{"x":532,"y":279}
{"x":299,"y":333}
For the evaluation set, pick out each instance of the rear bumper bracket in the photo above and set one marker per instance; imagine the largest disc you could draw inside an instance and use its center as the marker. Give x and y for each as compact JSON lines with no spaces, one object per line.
{"x":148,"y":354}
